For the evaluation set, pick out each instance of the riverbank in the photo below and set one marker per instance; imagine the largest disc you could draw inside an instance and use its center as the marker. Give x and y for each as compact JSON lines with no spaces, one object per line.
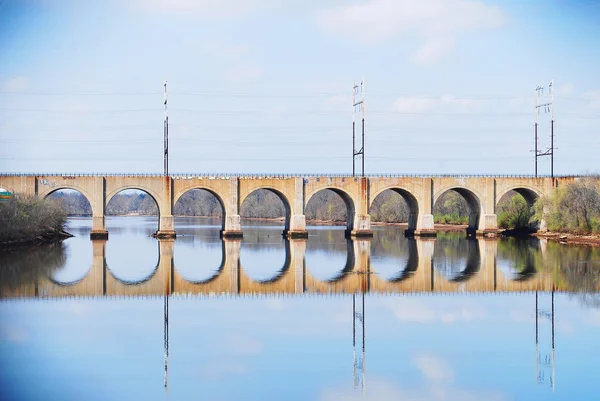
{"x":49,"y":236}
{"x":29,"y":220}
{"x":567,"y":238}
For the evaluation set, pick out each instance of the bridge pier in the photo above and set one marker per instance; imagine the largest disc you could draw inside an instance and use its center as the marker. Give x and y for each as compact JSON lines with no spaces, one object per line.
{"x":165,"y":228}
{"x":488,"y":225}
{"x":361,"y":229}
{"x":233,"y":227}
{"x":98,"y":228}
{"x":425,"y":227}
{"x":297,"y":227}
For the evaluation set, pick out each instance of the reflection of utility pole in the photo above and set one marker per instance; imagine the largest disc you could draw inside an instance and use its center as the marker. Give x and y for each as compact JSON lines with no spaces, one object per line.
{"x":166,"y":337}
{"x":359,"y":364}
{"x":548,"y":359}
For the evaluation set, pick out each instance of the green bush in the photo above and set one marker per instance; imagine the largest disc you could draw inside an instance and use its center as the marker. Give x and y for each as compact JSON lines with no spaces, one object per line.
{"x":573,"y":208}
{"x":514,"y":214}
{"x":28,"y":217}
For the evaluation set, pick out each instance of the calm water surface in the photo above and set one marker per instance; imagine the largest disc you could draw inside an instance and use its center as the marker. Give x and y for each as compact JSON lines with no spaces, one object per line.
{"x":392,"y":318}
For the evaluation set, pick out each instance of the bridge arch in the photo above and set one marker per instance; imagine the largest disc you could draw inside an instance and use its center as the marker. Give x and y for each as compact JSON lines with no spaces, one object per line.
{"x":280,"y":273}
{"x":473,"y":200}
{"x":87,"y":198}
{"x":346,"y":197}
{"x":410,"y":267}
{"x":211,"y":191}
{"x":156,"y":197}
{"x":453,"y":267}
{"x":529,"y":193}
{"x":286,"y":203}
{"x":125,"y":281}
{"x":181,"y":271}
{"x":410,"y":198}
{"x":82,"y":191}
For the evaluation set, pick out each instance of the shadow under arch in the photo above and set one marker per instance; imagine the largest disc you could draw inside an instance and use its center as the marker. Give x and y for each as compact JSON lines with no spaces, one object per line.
{"x":135,"y":282}
{"x":212,"y":278}
{"x":281,"y":272}
{"x":284,"y":201}
{"x":522,"y":255}
{"x":350,"y":208}
{"x":448,"y":256}
{"x":474,"y":206}
{"x":530,"y":195}
{"x":348,"y":266}
{"x":210,"y":191}
{"x":411,"y":202}
{"x":411,"y":264}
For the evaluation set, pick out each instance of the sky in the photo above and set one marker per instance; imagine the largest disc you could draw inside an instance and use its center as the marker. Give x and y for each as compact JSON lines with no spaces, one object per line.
{"x":265,"y":86}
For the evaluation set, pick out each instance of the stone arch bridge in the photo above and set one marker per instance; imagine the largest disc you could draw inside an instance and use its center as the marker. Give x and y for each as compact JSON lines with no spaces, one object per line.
{"x":482,"y":193}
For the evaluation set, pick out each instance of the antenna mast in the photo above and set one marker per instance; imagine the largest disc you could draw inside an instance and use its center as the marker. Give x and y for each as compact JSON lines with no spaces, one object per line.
{"x":548,"y":108}
{"x":166,"y":136}
{"x":358,"y":106}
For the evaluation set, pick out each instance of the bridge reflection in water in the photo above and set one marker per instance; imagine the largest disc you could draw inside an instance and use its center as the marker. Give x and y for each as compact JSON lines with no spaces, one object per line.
{"x":427,"y":270}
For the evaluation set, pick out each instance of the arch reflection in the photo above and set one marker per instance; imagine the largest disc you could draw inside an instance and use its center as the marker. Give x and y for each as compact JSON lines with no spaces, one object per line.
{"x":478,"y":267}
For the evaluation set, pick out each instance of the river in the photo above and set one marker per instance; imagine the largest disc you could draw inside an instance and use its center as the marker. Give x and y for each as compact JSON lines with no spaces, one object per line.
{"x":390,"y":318}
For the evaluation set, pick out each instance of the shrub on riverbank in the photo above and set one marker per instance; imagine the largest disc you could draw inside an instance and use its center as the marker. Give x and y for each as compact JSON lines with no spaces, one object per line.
{"x":573,"y":208}
{"x":29,"y":218}
{"x":515,"y":214}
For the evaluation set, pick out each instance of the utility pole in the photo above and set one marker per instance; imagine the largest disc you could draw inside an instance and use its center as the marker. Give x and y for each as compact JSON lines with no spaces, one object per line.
{"x":548,"y":108}
{"x":358,"y":106}
{"x":166,"y":136}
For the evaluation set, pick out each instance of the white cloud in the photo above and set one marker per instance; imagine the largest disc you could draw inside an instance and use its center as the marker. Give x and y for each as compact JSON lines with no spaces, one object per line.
{"x":243,"y":345}
{"x":242,"y":73}
{"x":201,"y":8}
{"x":414,"y":310}
{"x":436,"y":21}
{"x":16,"y":84}
{"x":434,"y":369}
{"x":274,"y":304}
{"x":424,"y":104}
{"x":414,"y":104}
{"x":593,"y":97}
{"x":221,"y":370}
{"x":564,"y":90}
{"x":433,"y":50}
{"x":383,"y":390}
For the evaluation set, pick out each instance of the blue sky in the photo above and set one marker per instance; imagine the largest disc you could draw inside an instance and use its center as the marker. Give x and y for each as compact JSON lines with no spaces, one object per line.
{"x":265,"y":85}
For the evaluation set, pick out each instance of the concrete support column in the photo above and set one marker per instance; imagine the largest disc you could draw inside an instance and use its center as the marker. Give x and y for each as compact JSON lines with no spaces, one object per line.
{"x":232,"y":227}
{"x":298,"y":252}
{"x":98,"y":204}
{"x":166,"y":228}
{"x":232,"y":263}
{"x":97,"y":272}
{"x":362,"y":262}
{"x":297,"y":228}
{"x":165,"y":264}
{"x":488,"y":221}
{"x":488,"y":249}
{"x":362,"y":220}
{"x":425,"y":226}
{"x":425,"y":248}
